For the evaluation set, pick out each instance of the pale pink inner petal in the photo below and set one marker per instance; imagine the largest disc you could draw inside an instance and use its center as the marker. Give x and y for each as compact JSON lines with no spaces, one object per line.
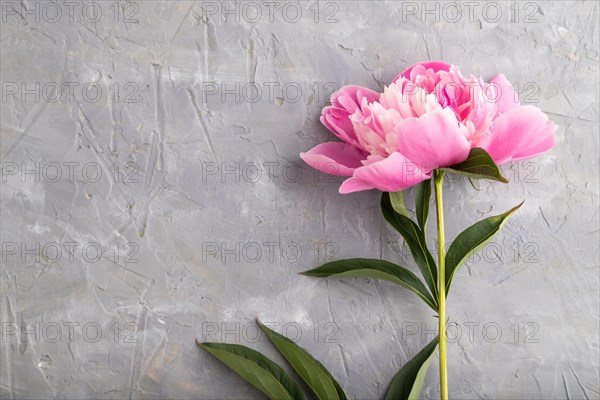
{"x":407,"y":100}
{"x":368,"y":130}
{"x":394,"y":97}
{"x":435,"y":66}
{"x":482,"y":112}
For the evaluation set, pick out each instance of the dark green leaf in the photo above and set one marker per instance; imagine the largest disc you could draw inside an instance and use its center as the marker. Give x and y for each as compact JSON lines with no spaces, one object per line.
{"x":472,"y":240}
{"x":478,"y":165}
{"x":408,"y":381}
{"x":375,"y":269}
{"x":310,"y":370}
{"x":422,"y":196}
{"x":415,"y":239}
{"x":256,"y":369}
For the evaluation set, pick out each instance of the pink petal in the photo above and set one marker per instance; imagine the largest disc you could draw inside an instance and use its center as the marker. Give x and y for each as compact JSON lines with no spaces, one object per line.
{"x":506,"y":98}
{"x":394,"y":173}
{"x":338,"y":122}
{"x":536,"y":150}
{"x":431,"y":141}
{"x":521,"y":133}
{"x":352,"y":185}
{"x":344,"y":103}
{"x":334,"y":158}
{"x":435,"y":65}
{"x":350,"y":97}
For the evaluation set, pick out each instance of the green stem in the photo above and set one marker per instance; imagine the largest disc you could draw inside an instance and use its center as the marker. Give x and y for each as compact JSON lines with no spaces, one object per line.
{"x":438,"y":178}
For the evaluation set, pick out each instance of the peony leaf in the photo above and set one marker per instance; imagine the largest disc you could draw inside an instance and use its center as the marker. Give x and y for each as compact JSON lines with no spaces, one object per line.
{"x":478,"y":165}
{"x":472,"y":240}
{"x":415,"y":239}
{"x":375,"y":269}
{"x":408,"y":381}
{"x":422,"y":196}
{"x":310,"y":370}
{"x":256,"y":369}
{"x":398,"y":203}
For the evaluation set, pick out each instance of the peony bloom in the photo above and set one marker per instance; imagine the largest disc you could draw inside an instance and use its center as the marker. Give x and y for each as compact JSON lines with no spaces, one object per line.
{"x":429,"y":117}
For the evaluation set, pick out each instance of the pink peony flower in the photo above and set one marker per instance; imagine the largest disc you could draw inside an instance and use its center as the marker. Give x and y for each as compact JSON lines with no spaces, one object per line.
{"x":429,"y":117}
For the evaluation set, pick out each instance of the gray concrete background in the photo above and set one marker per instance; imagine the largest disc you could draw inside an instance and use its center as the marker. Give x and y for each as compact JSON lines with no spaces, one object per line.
{"x":182,"y":209}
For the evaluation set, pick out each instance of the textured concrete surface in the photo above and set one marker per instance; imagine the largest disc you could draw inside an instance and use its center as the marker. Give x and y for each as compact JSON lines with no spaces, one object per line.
{"x":152,"y":194}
